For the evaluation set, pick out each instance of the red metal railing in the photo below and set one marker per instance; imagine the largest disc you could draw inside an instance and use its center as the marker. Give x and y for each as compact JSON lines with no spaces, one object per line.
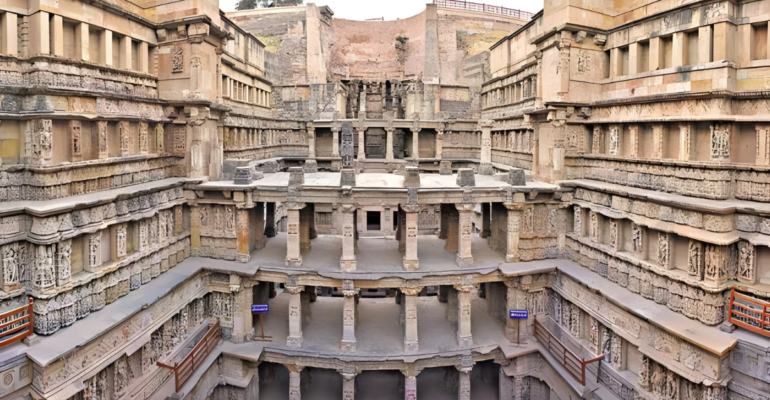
{"x":749,"y":313}
{"x":13,"y":326}
{"x":571,"y":362}
{"x":185,"y":368}
{"x":470,"y":6}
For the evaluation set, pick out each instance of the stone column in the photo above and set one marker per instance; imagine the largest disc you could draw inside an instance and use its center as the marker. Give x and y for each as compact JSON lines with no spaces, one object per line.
{"x":464,"y":384}
{"x":411,"y":261}
{"x":516,"y":299}
{"x":144,"y":57}
{"x":678,"y":49}
{"x":705,"y":46}
{"x":763,"y":144}
{"x":658,"y":137}
{"x":295,"y":316}
{"x":410,"y":384}
{"x":105,"y":47}
{"x":655,"y":55}
{"x":242,"y":235}
{"x":685,"y":128}
{"x":439,"y":144}
{"x":415,"y":143}
{"x":124,"y":136}
{"x":57,"y":36}
{"x":311,"y":140}
{"x":257,"y":224}
{"x":411,"y":339}
{"x":485,"y":167}
{"x":349,"y":384}
{"x":9,"y":38}
{"x":144,"y":138}
{"x":243,"y":323}
{"x":464,"y":335}
{"x":485,"y":219}
{"x":293,"y":254}
{"x":361,"y":144}
{"x":389,"y":145}
{"x":514,"y":231}
{"x":295,"y":393}
{"x":464,"y":235}
{"x":348,"y":343}
{"x":633,"y":140}
{"x":348,"y":260}
{"x":125,"y":52}
{"x":720,"y":142}
{"x":76,"y":141}
{"x":335,"y":142}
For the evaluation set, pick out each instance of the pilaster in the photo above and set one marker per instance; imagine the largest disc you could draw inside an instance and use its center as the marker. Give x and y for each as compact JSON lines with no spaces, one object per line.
{"x":485,"y":166}
{"x":76,"y":140}
{"x":105,"y":47}
{"x":9,"y":43}
{"x":720,"y":142}
{"x":57,"y":36}
{"x":311,"y":140}
{"x":763,"y":144}
{"x":658,"y":138}
{"x":39,"y":33}
{"x":440,"y":144}
{"x":685,"y":129}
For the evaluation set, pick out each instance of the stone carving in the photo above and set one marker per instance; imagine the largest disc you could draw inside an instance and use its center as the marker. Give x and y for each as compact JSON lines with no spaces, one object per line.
{"x":44,"y":267}
{"x":695,"y":259}
{"x":614,"y":140}
{"x":124,"y":137}
{"x":616,"y":351}
{"x":94,"y":250}
{"x":746,"y":256}
{"x":663,"y":250}
{"x":143,"y":137}
{"x":102,"y":131}
{"x":64,"y":262}
{"x":714,"y":263}
{"x":121,"y":243}
{"x":614,"y":233}
{"x":76,"y":138}
{"x":10,"y":253}
{"x":637,"y":239}
{"x":160,"y":137}
{"x":177,"y":60}
{"x":578,"y":220}
{"x":42,"y":140}
{"x":347,"y":150}
{"x":594,"y":226}
{"x":720,"y":142}
{"x":180,"y":140}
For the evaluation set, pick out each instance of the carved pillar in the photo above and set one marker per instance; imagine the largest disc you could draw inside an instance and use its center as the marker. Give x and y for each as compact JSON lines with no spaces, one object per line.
{"x":464,"y":384}
{"x":101,"y":138}
{"x":293,"y":255}
{"x":295,"y":393}
{"x":514,"y":231}
{"x":348,"y":343}
{"x":335,"y":142}
{"x":637,"y":238}
{"x":160,"y":138}
{"x":439,"y":144}
{"x":411,"y":339}
{"x":361,"y":144}
{"x":597,"y":147}
{"x":349,"y":385}
{"x":578,"y":220}
{"x":485,"y":167}
{"x":76,"y":141}
{"x":311,"y":140}
{"x":685,"y":129}
{"x":415,"y":143}
{"x":615,"y":241}
{"x":614,"y":140}
{"x":144,"y":138}
{"x":593,"y":226}
{"x":40,"y":141}
{"x":410,"y":384}
{"x":464,"y":335}
{"x":658,"y":138}
{"x":295,"y":316}
{"x":464,"y":235}
{"x":270,"y":220}
{"x":243,"y":323}
{"x":720,"y":142}
{"x":348,"y":260}
{"x":93,"y":245}
{"x":389,"y":144}
{"x":516,"y":299}
{"x":411,"y":261}
{"x":119,"y":242}
{"x":257,"y":239}
{"x":763,"y":144}
{"x":124,"y":136}
{"x":242,"y":235}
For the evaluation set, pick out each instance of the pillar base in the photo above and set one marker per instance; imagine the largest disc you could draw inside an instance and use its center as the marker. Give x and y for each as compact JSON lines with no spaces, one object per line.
{"x":244,"y":258}
{"x":348,"y":265}
{"x":511,"y":258}
{"x":464,"y":261}
{"x":486,"y":169}
{"x":464,"y":341}
{"x":411,"y":346}
{"x":294,"y":262}
{"x":294,"y":341}
{"x":411,"y":265}
{"x":347,"y":346}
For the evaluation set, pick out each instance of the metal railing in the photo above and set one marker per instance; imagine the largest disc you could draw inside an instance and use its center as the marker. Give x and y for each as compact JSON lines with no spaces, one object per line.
{"x":470,"y":6}
{"x":575,"y":365}
{"x":749,"y":313}
{"x":185,"y":368}
{"x":16,"y":324}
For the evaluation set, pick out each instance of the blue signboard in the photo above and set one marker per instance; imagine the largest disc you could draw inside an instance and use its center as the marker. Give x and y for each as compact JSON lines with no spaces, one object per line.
{"x":519,"y":314}
{"x":259,"y":308}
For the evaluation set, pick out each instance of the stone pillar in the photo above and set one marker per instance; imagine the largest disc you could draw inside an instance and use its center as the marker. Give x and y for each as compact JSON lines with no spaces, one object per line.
{"x":295,"y":393}
{"x":9,"y":38}
{"x":724,"y":41}
{"x":401,"y":230}
{"x":439,"y":144}
{"x":415,"y":143}
{"x":705,"y":45}
{"x":293,"y":254}
{"x":410,"y":384}
{"x":252,"y":389}
{"x":516,"y":299}
{"x":311,"y":140}
{"x":485,"y":219}
{"x":464,"y":335}
{"x":101,"y":138}
{"x":685,"y":128}
{"x":464,"y":384}
{"x":679,"y":46}
{"x":348,"y":385}
{"x":125,"y":52}
{"x":144,"y":57}
{"x":658,"y":137}
{"x":105,"y":47}
{"x":295,"y":316}
{"x":124,"y":136}
{"x":39,"y":34}
{"x":411,"y":339}
{"x":243,"y":323}
{"x":348,"y":260}
{"x":82,"y":42}
{"x":335,"y":142}
{"x":464,"y":235}
{"x":763,"y":144}
{"x":270,"y":220}
{"x":633,"y":140}
{"x":389,"y":145}
{"x":485,"y":167}
{"x":720,"y":142}
{"x":144,"y":138}
{"x":411,"y":261}
{"x":242,"y":235}
{"x":257,"y":223}
{"x":348,"y":343}
{"x":118,"y":241}
{"x":361,"y":144}
{"x":76,"y":141}
{"x":633,"y":59}
{"x":57,"y":36}
{"x":514,"y":231}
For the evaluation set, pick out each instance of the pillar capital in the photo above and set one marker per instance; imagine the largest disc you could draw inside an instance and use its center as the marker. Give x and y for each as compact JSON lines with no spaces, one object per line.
{"x":466,"y":363}
{"x":465,"y":288}
{"x":411,"y":291}
{"x":465,"y":206}
{"x":348,"y":208}
{"x":348,"y":288}
{"x":296,"y":368}
{"x":294,"y":289}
